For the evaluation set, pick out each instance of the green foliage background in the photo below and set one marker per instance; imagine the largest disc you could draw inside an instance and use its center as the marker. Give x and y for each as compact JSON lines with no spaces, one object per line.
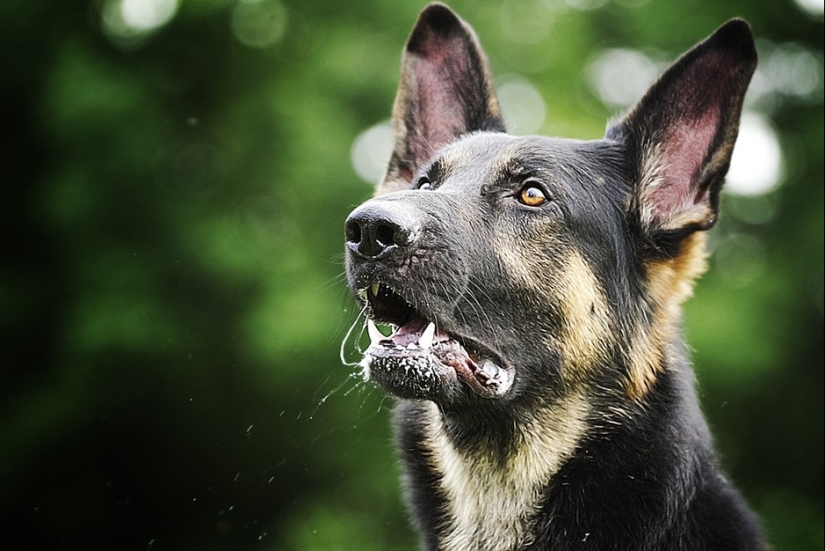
{"x":171,"y":291}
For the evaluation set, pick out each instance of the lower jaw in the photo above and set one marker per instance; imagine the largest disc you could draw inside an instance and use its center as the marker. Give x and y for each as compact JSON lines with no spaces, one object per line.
{"x":421,"y":374}
{"x":412,"y":377}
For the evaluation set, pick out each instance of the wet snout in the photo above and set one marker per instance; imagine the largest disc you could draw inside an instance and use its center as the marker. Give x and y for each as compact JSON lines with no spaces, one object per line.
{"x":379,"y":227}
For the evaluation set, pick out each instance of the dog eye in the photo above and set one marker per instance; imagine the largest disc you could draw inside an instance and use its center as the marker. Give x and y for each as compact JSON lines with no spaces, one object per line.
{"x":423,"y":183}
{"x":532,"y":196}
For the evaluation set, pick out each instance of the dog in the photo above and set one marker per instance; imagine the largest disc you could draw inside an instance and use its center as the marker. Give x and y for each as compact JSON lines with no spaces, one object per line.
{"x":545,"y":396}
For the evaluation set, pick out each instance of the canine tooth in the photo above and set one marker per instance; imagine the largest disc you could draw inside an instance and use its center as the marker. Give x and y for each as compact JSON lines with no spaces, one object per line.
{"x":426,"y":340}
{"x":411,"y":346}
{"x":374,"y":288}
{"x":375,"y":334}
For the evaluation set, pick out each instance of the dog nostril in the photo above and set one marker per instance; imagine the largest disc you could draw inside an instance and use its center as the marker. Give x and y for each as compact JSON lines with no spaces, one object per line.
{"x":385,"y":235}
{"x":353,"y":232}
{"x":374,"y":230}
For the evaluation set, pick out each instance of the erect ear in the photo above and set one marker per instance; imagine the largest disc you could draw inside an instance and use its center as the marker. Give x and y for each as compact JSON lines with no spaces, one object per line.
{"x":680,"y":136}
{"x":445,"y":91}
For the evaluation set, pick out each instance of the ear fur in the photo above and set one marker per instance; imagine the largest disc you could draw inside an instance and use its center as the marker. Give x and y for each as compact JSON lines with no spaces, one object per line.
{"x":680,"y":136}
{"x":445,"y":91}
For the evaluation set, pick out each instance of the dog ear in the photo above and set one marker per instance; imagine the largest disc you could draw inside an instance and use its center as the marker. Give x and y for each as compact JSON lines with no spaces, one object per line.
{"x":680,"y":135}
{"x":445,"y":91}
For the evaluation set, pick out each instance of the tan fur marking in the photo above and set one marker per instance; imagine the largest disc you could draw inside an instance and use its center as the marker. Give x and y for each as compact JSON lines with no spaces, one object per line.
{"x":456,"y":156}
{"x":586,"y":332}
{"x":586,"y":326}
{"x":517,"y":265}
{"x":650,"y":181}
{"x":490,"y":505}
{"x":645,"y":364}
{"x":670,"y":283}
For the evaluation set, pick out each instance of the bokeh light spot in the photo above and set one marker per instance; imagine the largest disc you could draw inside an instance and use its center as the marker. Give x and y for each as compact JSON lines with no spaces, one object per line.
{"x":751,"y":209}
{"x":786,"y":71}
{"x":371,"y":152}
{"x":794,"y":70}
{"x":585,"y":5}
{"x":146,"y":15}
{"x":522,"y":106}
{"x":620,"y":76}
{"x":756,"y":166}
{"x":128,"y":22}
{"x":740,"y":259}
{"x":259,"y":23}
{"x":814,"y":8}
{"x":526,"y":21}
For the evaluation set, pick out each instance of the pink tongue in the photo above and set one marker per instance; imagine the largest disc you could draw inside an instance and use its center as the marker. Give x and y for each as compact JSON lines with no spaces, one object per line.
{"x":412,"y":330}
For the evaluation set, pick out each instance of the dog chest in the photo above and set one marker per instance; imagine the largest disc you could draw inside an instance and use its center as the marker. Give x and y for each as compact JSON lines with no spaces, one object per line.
{"x":491,"y":502}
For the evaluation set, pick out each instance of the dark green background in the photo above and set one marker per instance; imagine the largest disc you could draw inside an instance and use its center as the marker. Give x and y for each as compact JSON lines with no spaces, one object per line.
{"x":171,"y":291}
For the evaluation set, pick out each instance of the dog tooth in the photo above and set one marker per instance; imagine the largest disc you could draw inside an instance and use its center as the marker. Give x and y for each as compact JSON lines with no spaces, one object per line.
{"x":426,"y":340}
{"x":412,"y":346}
{"x":374,"y":288}
{"x":488,"y":367}
{"x":375,"y":334}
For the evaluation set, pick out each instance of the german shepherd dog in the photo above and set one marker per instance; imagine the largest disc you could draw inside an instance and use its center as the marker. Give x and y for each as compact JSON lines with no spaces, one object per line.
{"x":546,"y":398}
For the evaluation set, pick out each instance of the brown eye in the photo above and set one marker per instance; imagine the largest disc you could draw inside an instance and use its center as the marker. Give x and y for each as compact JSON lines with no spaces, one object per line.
{"x":532,"y":196}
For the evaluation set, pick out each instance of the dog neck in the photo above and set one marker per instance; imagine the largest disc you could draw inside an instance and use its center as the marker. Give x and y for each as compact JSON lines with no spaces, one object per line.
{"x":490,"y":494}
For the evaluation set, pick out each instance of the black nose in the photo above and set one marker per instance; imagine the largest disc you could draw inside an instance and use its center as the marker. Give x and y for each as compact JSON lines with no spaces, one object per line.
{"x":378,"y":227}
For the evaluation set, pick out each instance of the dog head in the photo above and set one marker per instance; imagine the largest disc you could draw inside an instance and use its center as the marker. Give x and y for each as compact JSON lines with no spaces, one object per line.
{"x":516,"y":268}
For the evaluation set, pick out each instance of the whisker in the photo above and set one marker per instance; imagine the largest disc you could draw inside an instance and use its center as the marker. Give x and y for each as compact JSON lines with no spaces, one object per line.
{"x":334,"y":281}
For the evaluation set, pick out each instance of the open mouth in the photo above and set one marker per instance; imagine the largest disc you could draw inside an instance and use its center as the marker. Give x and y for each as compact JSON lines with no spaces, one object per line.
{"x":420,"y":359}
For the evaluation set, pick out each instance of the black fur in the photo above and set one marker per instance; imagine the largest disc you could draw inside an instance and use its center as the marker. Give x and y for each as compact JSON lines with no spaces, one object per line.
{"x":552,"y":406}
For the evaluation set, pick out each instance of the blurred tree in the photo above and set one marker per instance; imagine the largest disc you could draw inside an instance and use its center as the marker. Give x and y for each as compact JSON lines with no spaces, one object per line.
{"x":173,"y":181}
